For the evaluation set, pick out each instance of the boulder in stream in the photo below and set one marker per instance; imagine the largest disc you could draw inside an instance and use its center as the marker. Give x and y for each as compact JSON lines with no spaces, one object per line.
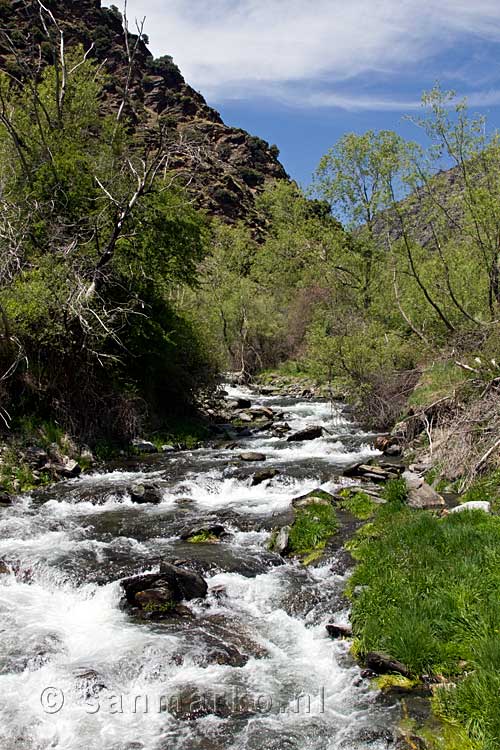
{"x":252,"y":456}
{"x":264,"y":475}
{"x":143,"y":492}
{"x":315,"y":497}
{"x":279,"y":541}
{"x":4,"y":568}
{"x":335,"y":630}
{"x":159,"y":593}
{"x":144,"y":446}
{"x":208,"y":533}
{"x":309,"y":433}
{"x":5,"y":498}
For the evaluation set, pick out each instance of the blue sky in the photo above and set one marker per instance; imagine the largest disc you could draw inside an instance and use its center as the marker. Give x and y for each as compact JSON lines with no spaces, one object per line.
{"x":300,"y":73}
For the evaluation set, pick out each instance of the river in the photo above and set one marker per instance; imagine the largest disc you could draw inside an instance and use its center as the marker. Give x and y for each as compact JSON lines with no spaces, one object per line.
{"x":77,"y":671}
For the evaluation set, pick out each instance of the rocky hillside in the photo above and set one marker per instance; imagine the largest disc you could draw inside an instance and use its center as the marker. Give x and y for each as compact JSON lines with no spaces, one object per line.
{"x":229,"y":166}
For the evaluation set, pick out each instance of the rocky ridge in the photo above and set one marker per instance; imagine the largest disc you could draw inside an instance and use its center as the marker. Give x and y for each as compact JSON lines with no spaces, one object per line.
{"x":224,"y":167}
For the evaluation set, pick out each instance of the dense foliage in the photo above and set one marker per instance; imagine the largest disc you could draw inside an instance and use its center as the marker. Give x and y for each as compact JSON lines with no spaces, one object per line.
{"x":94,"y":237}
{"x":412,"y":274}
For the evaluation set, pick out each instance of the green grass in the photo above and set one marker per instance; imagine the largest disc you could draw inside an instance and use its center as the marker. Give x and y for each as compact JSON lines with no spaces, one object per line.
{"x":358,"y":503}
{"x":438,"y":381}
{"x":430,"y":596}
{"x":159,"y":606}
{"x":187,"y":432}
{"x":312,"y":528}
{"x":395,"y":492}
{"x":204,"y":537}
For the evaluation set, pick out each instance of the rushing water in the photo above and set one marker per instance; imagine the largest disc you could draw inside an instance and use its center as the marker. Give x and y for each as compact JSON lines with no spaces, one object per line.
{"x":254,"y":660}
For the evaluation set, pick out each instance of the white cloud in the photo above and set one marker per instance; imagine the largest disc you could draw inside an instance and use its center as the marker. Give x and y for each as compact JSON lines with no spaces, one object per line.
{"x":230,"y":48}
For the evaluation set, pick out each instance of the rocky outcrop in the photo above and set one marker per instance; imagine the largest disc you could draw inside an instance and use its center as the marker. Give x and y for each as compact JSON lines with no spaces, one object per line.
{"x":224,"y":167}
{"x":420,"y":494}
{"x":159,"y":594}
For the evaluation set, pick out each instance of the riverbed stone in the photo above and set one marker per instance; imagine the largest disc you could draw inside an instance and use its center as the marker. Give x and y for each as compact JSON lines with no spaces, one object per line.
{"x":216,"y":530}
{"x":336,"y":630}
{"x":315,"y":497}
{"x":279,"y":543}
{"x":144,"y":492}
{"x":252,"y":456}
{"x":368,"y":471}
{"x":309,"y":433}
{"x":4,"y":568}
{"x":5,"y":499}
{"x":245,"y":417}
{"x":144,"y":446}
{"x":263,"y":476}
{"x":170,"y":586}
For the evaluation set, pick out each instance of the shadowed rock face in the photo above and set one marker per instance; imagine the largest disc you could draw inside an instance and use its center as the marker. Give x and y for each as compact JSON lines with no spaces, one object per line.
{"x":232,"y":166}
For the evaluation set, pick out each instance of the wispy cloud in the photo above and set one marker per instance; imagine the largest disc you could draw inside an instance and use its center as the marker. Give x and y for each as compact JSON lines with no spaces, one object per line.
{"x":231,"y":48}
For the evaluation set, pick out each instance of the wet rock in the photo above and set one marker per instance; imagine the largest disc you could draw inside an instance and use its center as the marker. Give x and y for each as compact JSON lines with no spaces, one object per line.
{"x":252,"y":456}
{"x":145,"y":493}
{"x":421,"y":495}
{"x":4,"y":568}
{"x":89,"y":684}
{"x":163,"y":590}
{"x":388,"y":445}
{"x":279,"y":543}
{"x":159,"y":600}
{"x":383,"y":664}
{"x":262,"y":411}
{"x":185,"y":583}
{"x":245,"y":417}
{"x":309,"y":433}
{"x":168,"y":448}
{"x":5,"y":499}
{"x":243,"y":403}
{"x":280,"y":429}
{"x":373,"y":736}
{"x":190,"y":704}
{"x":336,"y":630}
{"x":411,"y":742}
{"x":218,"y":652}
{"x":144,"y":446}
{"x":216,"y":530}
{"x":368,"y":471}
{"x":67,"y":467}
{"x":219,"y":592}
{"x":393,"y":450}
{"x":315,"y":497}
{"x":264,"y":475}
{"x":473,"y":505}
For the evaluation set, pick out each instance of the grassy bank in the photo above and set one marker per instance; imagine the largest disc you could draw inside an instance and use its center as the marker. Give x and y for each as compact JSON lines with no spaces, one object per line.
{"x":426,"y":590}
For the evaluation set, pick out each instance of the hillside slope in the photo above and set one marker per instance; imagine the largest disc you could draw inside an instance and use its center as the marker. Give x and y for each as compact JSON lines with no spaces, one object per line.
{"x":231,"y":166}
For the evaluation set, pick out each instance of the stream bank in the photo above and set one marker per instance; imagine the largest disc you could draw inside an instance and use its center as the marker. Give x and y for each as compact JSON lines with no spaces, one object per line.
{"x":250,"y":663}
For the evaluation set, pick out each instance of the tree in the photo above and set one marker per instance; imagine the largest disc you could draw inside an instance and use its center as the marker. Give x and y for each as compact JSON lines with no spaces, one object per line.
{"x":354,"y":176}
